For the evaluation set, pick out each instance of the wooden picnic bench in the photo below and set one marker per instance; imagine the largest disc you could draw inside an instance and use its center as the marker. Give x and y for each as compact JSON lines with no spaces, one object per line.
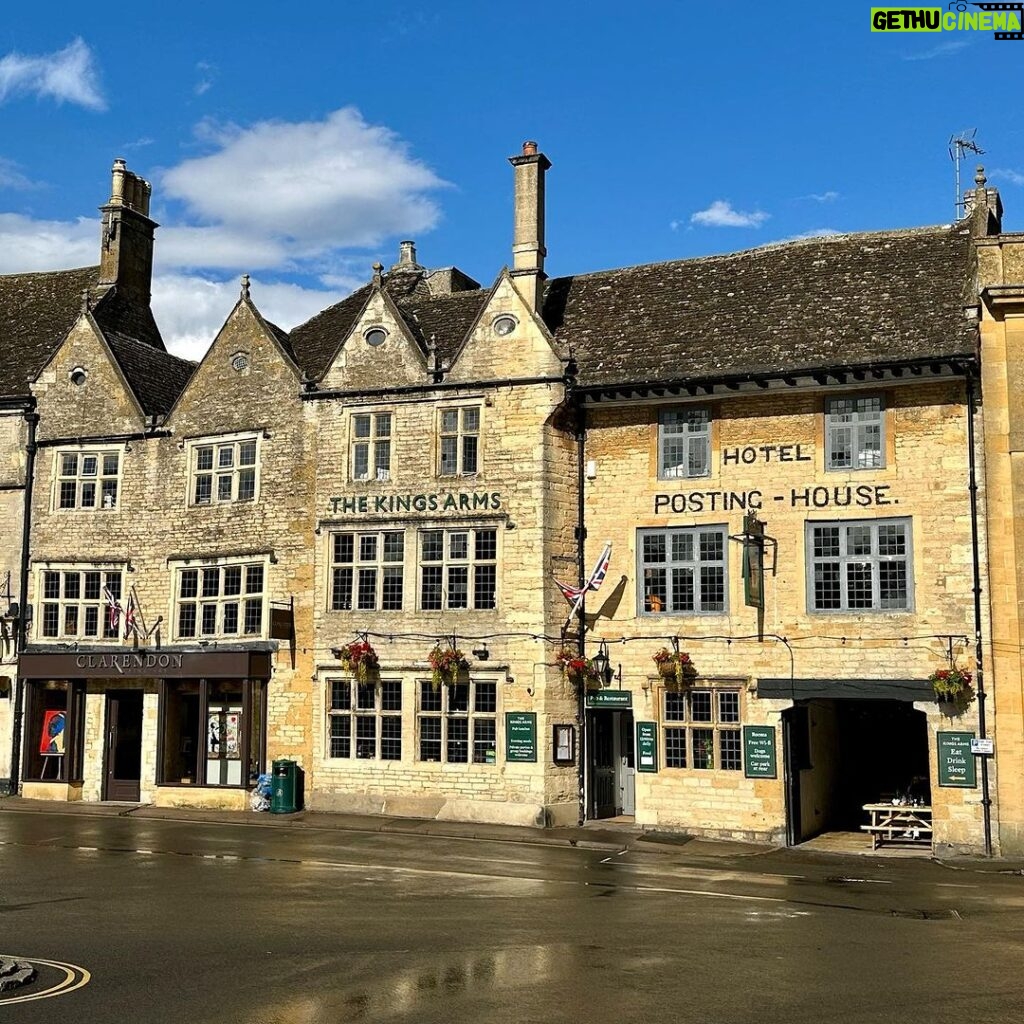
{"x":898,"y":823}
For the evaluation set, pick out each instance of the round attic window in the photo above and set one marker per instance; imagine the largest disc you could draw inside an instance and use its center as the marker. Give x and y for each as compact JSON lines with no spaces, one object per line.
{"x":376,"y":336}
{"x":240,"y":361}
{"x":78,"y":376}
{"x":504,"y":325}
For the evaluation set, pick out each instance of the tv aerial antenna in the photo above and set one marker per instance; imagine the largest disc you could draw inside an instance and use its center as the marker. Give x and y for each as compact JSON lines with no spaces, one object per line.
{"x":959,"y":146}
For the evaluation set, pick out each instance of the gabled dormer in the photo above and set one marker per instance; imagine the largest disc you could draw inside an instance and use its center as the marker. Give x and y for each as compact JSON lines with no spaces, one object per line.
{"x":380,"y":349}
{"x":248,"y":368}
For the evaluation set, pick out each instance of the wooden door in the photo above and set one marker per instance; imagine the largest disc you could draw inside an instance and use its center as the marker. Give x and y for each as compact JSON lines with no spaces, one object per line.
{"x":601,"y":747}
{"x":123,"y":756}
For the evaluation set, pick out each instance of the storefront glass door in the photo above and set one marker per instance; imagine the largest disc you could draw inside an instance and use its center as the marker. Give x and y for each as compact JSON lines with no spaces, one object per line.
{"x":123,"y":755}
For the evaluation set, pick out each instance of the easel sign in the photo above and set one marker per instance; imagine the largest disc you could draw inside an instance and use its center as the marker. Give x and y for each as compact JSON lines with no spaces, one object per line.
{"x":51,"y":740}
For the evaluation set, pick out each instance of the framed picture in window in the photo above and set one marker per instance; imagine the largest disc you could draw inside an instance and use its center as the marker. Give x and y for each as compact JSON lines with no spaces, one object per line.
{"x":564,"y":744}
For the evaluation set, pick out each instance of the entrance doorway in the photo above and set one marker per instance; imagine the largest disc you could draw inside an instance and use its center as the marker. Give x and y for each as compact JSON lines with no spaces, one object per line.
{"x":122,"y":761}
{"x":610,"y":764}
{"x":842,"y":754}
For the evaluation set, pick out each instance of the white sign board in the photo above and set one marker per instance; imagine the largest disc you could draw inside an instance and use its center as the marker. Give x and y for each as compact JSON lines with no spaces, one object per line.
{"x":982,"y":747}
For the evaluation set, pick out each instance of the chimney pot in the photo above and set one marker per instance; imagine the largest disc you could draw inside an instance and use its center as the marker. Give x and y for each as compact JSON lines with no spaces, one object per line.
{"x":529,"y":148}
{"x":979,"y":176}
{"x":407,"y":253}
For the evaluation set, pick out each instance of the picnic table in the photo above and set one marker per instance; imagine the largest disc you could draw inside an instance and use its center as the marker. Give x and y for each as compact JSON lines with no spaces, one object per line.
{"x":899,"y":823}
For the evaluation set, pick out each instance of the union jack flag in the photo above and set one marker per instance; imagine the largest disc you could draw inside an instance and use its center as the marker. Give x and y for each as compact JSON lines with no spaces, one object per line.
{"x":130,"y":613}
{"x":573,"y":594}
{"x":113,"y":609}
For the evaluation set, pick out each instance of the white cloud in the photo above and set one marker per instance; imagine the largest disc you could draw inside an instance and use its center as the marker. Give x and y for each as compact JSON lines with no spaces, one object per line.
{"x":27,"y":245}
{"x":69,"y":75}
{"x":822,"y":197}
{"x":312,"y":186}
{"x":191,"y":309}
{"x":11,"y":177}
{"x":720,"y":214}
{"x":1013,"y":177}
{"x":207,"y":74}
{"x":309,"y":203}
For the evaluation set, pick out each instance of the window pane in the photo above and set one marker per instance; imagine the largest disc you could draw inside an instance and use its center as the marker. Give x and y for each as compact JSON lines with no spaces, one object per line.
{"x":730,"y":752}
{"x":430,"y":595}
{"x":254,"y":579}
{"x":394,"y":546}
{"x":827,"y":592}
{"x":366,"y":696}
{"x":92,"y":586}
{"x":231,"y":618}
{"x":253,"y":616}
{"x":341,"y":695}
{"x":485,"y":582}
{"x":226,"y":456}
{"x":449,"y":456}
{"x":430,"y":699}
{"x":458,"y":586}
{"x":209,"y":619}
{"x":484,"y":741}
{"x":391,"y":738}
{"x":232,"y":580}
{"x":458,"y":740}
{"x":341,"y":736}
{"x":391,"y":592}
{"x":69,"y":465}
{"x":204,"y":457}
{"x":728,"y":706}
{"x":224,"y":488}
{"x":344,"y":546}
{"x":51,"y":619}
{"x":391,"y":695}
{"x":187,"y":620}
{"x":189,"y":583}
{"x":655,"y":590}
{"x":361,"y":461}
{"x":430,"y":739}
{"x":450,"y":420}
{"x":470,"y":448}
{"x":68,"y":493}
{"x":361,"y":425}
{"x":683,"y":596}
{"x":383,"y":424}
{"x":700,"y":705}
{"x":246,"y":484}
{"x":366,"y":599}
{"x":247,"y":453}
{"x":211,"y":582}
{"x":109,"y":491}
{"x":110,"y":465}
{"x":458,"y":698}
{"x":675,"y":748}
{"x":859,"y":588}
{"x":204,"y":489}
{"x":486,"y":544}
{"x":675,"y":706}
{"x":92,"y":621}
{"x":341,"y":593}
{"x":471,"y":420}
{"x":368,"y":547}
{"x":433,"y":546}
{"x":89,"y":465}
{"x":51,"y":585}
{"x":892,"y":585}
{"x":485,"y":700}
{"x":70,"y":619}
{"x":458,"y":545}
{"x":72,"y":586}
{"x":712,"y":588}
{"x":703,"y":748}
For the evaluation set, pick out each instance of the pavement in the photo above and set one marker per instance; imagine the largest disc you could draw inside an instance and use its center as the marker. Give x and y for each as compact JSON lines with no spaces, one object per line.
{"x":611,"y":837}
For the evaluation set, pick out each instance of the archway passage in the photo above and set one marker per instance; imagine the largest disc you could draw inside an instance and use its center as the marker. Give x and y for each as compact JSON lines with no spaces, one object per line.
{"x":843,"y":754}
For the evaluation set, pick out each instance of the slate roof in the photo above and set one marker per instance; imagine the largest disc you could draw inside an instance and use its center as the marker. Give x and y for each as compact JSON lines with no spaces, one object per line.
{"x":155,"y":376}
{"x":36,"y":312}
{"x":830,"y":302}
{"x":838,"y":301}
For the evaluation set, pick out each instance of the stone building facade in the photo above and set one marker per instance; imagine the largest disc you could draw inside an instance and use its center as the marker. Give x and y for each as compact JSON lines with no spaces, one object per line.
{"x":781,"y":447}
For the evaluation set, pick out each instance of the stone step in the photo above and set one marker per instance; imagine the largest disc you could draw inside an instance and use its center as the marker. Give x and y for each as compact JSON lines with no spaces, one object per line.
{"x":14,"y":973}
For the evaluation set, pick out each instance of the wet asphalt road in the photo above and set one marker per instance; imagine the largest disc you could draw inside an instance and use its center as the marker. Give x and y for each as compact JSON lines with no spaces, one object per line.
{"x":230,"y":924}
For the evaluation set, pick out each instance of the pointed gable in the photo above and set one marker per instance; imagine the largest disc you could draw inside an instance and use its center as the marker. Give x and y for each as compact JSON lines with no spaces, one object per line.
{"x":507,"y":339}
{"x":82,"y":391}
{"x":247,"y":370}
{"x":379,"y":351}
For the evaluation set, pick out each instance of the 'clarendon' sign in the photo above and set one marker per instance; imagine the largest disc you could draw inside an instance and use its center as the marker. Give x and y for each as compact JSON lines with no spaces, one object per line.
{"x":440,"y":501}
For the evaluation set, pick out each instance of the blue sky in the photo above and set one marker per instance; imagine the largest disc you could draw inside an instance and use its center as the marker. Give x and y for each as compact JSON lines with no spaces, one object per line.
{"x":300,"y":143}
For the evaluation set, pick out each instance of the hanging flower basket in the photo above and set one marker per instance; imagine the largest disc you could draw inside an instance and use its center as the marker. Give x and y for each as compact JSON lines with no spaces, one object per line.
{"x":446,"y":665}
{"x":360,"y":659}
{"x":952,"y":687}
{"x":675,"y":666}
{"x":578,"y":671}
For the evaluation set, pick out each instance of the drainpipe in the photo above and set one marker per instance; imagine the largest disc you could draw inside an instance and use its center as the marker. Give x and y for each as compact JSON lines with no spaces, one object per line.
{"x":32,"y":419}
{"x":581,"y":432}
{"x":972,"y":488}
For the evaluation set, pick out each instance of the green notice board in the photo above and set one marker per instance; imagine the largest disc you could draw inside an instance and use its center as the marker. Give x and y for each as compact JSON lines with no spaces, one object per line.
{"x":646,"y":746}
{"x":609,"y":698}
{"x":759,"y":752}
{"x":956,"y":762}
{"x":520,"y":736}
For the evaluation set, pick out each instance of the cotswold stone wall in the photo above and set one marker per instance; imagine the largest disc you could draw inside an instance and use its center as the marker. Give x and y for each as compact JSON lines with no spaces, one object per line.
{"x":155,"y":526}
{"x":767,"y":453}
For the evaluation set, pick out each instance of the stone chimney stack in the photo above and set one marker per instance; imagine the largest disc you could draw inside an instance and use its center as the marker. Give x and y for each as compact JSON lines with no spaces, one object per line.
{"x":983,"y":208}
{"x":528,"y":249}
{"x":126,"y":253}
{"x":406,"y":258}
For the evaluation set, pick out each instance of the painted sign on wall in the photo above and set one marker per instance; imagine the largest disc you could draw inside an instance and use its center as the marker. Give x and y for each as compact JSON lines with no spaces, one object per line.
{"x":646,"y":746}
{"x":759,"y":752}
{"x":956,"y":762}
{"x":521,"y":736}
